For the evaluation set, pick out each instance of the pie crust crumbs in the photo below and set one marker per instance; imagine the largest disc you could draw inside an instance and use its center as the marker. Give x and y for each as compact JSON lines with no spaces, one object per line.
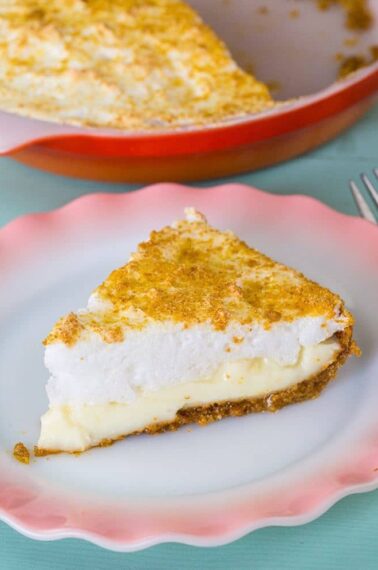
{"x":193,"y":274}
{"x":352,"y":63}
{"x":66,"y":330}
{"x":359,"y":17}
{"x":21,"y":453}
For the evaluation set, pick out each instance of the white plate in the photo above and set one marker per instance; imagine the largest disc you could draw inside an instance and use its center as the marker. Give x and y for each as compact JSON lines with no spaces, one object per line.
{"x":202,"y":486}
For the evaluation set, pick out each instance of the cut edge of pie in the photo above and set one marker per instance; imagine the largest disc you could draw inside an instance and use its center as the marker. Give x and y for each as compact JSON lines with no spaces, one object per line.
{"x":308,"y":389}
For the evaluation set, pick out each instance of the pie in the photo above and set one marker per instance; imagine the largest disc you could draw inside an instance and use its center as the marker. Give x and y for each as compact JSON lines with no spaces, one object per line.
{"x":197,"y":326}
{"x":123,"y":64}
{"x":136,"y":65}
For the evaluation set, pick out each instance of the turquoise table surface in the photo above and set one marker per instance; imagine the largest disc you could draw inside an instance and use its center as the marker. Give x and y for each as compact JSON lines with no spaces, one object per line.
{"x":346,"y":537}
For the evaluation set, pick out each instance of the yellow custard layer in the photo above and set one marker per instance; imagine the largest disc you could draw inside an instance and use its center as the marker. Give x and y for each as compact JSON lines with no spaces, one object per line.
{"x":76,"y":428}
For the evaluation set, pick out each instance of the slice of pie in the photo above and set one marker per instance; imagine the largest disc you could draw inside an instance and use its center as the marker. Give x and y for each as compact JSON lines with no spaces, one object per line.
{"x":197,"y":326}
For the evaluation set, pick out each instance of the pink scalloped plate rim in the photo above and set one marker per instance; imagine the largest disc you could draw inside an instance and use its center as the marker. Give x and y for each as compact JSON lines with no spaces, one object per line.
{"x":218,"y":517}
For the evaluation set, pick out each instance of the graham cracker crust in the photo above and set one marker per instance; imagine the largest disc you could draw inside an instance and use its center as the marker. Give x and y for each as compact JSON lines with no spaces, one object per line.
{"x":309,"y":389}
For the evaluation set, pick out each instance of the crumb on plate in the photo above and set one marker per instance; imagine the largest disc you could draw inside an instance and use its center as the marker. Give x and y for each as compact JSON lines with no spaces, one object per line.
{"x":21,"y":453}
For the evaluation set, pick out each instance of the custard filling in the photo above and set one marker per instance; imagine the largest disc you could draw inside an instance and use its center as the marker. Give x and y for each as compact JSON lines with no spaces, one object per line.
{"x":78,"y":427}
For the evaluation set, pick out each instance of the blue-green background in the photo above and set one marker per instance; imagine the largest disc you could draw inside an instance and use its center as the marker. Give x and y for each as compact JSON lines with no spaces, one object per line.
{"x":344,"y":538}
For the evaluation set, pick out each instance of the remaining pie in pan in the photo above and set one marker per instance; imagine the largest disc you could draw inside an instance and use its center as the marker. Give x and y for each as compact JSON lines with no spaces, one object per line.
{"x":125,"y":64}
{"x":135,"y":65}
{"x":197,"y":326}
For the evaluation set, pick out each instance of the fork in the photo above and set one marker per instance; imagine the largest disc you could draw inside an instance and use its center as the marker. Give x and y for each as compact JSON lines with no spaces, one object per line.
{"x":363,"y":207}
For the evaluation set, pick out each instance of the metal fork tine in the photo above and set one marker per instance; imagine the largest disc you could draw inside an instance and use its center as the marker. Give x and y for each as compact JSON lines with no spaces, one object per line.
{"x":372,"y":191}
{"x":376,"y":173}
{"x":361,"y":203}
